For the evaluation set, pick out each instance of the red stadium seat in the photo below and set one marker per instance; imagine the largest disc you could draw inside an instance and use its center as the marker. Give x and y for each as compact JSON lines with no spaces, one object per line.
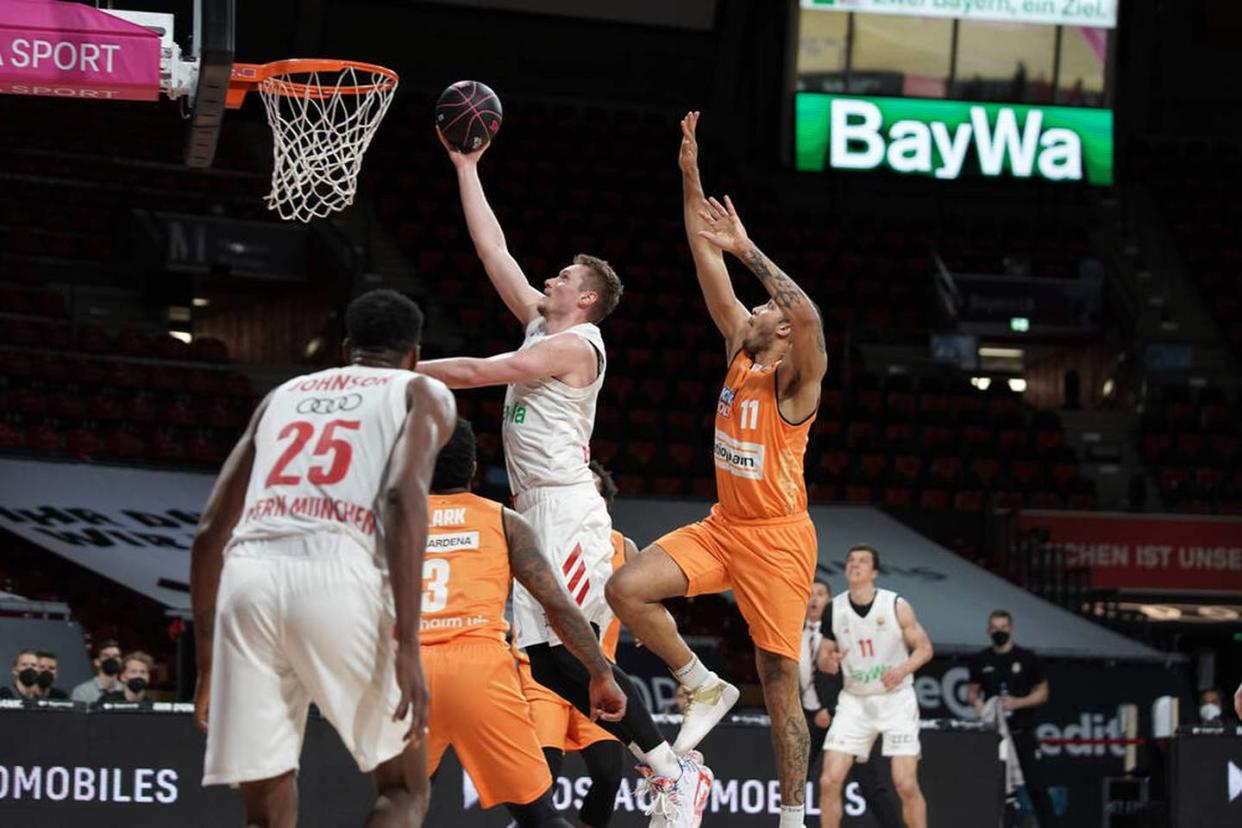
{"x":909,"y":468}
{"x":946,"y":470}
{"x":859,"y":494}
{"x":83,"y":442}
{"x":44,"y":439}
{"x":970,"y":500}
{"x":11,"y":437}
{"x":934,"y":499}
{"x":898,"y":497}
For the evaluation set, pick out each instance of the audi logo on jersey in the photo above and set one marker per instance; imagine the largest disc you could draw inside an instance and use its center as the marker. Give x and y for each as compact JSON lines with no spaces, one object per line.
{"x":329,"y":405}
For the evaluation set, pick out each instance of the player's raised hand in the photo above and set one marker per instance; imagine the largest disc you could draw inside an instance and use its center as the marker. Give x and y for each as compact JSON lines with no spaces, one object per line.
{"x":724,"y":228}
{"x":202,"y":700}
{"x":461,"y":159}
{"x":413,"y":688}
{"x":688,"y":157}
{"x":607,"y":699}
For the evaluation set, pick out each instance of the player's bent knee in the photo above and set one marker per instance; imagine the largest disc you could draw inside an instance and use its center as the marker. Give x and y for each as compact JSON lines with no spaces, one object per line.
{"x":776,"y":670}
{"x":906,"y":785}
{"x":616,"y":590}
{"x":831,"y":782}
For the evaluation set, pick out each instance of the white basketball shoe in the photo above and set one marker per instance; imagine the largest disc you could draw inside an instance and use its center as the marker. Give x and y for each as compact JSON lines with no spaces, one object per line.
{"x":709,"y":702}
{"x":678,"y":803}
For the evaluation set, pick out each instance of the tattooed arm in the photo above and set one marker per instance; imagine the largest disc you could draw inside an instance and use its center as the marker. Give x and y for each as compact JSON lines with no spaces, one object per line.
{"x":808,"y":356}
{"x":532,"y":571}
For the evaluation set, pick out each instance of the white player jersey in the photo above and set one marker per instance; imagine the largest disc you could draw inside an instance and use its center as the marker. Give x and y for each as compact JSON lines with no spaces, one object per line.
{"x":872,"y":645}
{"x":321,"y":449}
{"x":547,"y":424}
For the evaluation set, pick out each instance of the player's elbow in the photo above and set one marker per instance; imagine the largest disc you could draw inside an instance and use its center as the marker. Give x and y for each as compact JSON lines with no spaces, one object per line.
{"x":396,"y":504}
{"x":210,"y":534}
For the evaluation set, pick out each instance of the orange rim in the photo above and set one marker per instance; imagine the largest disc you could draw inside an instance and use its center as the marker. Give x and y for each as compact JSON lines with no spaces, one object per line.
{"x":246,"y":76}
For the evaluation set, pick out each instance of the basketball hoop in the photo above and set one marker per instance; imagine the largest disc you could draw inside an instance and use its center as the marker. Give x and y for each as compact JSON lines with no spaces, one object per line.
{"x":323,"y":115}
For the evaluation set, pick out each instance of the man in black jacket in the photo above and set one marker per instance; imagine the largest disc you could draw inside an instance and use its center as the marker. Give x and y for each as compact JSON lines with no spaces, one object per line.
{"x":1015,"y":677}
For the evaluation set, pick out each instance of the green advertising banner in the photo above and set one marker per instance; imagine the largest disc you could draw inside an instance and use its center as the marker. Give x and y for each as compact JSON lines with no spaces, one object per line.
{"x":1100,"y":14}
{"x":945,"y":139}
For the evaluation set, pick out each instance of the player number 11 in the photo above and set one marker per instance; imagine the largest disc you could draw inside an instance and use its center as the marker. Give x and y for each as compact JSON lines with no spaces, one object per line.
{"x":751,"y":408}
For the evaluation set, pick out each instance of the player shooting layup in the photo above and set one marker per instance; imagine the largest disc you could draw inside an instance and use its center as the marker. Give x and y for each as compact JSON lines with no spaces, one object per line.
{"x":553,"y":384}
{"x":314,"y":594}
{"x":758,"y":540}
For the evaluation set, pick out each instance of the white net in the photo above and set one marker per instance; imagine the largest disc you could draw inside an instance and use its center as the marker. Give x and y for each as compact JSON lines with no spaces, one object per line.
{"x":322,"y":123}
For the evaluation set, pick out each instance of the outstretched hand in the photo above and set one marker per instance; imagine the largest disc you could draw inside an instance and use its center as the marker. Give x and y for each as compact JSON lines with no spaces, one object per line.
{"x":688,"y":157}
{"x":724,"y":228}
{"x":461,"y":159}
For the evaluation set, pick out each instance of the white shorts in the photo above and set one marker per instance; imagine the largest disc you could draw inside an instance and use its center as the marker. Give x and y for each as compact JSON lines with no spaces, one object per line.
{"x":298,"y":620}
{"x":575,"y":532}
{"x":859,"y":719}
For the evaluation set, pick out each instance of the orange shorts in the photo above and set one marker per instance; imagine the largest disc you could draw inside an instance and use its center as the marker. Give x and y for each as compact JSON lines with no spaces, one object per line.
{"x":769,"y":564}
{"x":558,"y":724}
{"x":477,"y":707}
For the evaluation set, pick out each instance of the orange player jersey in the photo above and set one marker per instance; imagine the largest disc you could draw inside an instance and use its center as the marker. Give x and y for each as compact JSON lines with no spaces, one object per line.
{"x":613,"y":634}
{"x":466,"y":574}
{"x":759,"y":471}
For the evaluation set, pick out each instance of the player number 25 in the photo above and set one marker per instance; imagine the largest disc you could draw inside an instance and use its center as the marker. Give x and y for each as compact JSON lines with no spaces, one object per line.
{"x":302,"y":432}
{"x":435,"y":584}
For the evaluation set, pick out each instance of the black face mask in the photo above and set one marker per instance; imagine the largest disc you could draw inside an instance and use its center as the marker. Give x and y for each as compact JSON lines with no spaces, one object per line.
{"x":46,"y":679}
{"x":1000,"y":638}
{"x":29,"y":677}
{"x":110,"y":666}
{"x":136,"y":685}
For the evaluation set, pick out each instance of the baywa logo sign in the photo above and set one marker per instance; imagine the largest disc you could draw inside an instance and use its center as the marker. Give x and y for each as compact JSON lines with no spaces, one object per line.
{"x":946,"y":139}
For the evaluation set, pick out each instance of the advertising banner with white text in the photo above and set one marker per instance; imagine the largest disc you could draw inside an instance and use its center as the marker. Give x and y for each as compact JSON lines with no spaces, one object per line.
{"x":1148,"y":553}
{"x":947,"y":139}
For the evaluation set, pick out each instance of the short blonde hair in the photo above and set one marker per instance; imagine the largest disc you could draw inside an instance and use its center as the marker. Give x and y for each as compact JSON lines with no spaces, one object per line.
{"x":607,"y":284}
{"x":138,"y":655}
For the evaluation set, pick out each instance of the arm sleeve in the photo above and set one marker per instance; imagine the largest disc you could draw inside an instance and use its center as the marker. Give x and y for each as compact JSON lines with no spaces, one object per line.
{"x":825,"y":624}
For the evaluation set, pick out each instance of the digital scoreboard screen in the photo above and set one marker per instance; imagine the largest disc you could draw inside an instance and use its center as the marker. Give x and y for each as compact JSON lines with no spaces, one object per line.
{"x":950,"y":88}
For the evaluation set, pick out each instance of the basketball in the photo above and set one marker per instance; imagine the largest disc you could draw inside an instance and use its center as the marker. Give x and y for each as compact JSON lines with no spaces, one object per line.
{"x":468,"y":114}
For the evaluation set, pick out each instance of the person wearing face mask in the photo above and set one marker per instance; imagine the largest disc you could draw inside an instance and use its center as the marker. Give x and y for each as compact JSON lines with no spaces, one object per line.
{"x":1211,"y":708}
{"x":1015,"y":677}
{"x":135,"y":677}
{"x":49,"y":669}
{"x":25,"y":677}
{"x":107,"y":663}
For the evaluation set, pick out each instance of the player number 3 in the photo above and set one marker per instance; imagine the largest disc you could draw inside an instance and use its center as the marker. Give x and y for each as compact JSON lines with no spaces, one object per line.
{"x":435,"y":584}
